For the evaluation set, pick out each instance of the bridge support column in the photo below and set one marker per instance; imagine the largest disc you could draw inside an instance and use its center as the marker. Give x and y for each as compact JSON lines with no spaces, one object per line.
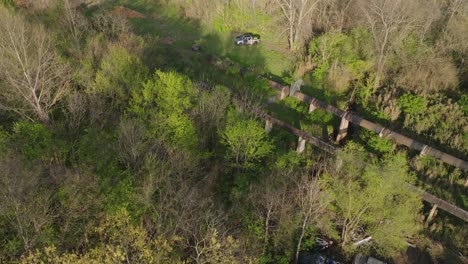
{"x":312,"y":107}
{"x":343,"y":130}
{"x":300,"y":145}
{"x":431,"y":215}
{"x":268,"y":126}
{"x":284,"y":92}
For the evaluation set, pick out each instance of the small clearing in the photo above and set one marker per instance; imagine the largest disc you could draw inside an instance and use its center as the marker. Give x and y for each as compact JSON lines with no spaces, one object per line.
{"x":127,"y":12}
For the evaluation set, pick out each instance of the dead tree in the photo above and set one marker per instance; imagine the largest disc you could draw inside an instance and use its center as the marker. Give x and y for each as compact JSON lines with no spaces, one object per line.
{"x":389,"y":21}
{"x":297,"y":14}
{"x":32,"y":79}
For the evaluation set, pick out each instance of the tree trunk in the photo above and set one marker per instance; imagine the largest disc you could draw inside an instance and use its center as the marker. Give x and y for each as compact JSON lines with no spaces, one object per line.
{"x":378,"y":74}
{"x":344,"y":231}
{"x":304,"y":223}
{"x":43,"y":115}
{"x":291,"y":36}
{"x":266,"y":234}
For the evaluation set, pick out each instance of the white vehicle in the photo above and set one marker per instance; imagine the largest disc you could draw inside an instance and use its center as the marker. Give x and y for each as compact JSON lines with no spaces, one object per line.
{"x":247,"y":39}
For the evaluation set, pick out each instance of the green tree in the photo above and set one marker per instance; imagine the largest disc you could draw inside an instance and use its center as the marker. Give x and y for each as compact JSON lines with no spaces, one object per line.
{"x":118,"y":241}
{"x":412,"y":104}
{"x":463,"y":102}
{"x":32,"y":140}
{"x":165,"y":103}
{"x":342,"y":58}
{"x":374,"y":197}
{"x":119,"y":74}
{"x":170,"y":92}
{"x":245,"y":139}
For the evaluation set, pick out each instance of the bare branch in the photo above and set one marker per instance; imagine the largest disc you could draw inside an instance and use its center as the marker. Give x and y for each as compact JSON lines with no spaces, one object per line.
{"x":33,"y":80}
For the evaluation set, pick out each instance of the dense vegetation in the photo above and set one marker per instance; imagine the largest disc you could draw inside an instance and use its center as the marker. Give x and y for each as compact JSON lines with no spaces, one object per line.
{"x":118,"y":144}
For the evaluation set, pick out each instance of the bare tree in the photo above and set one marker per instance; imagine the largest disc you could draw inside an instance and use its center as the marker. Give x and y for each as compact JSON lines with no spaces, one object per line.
{"x":333,"y":15}
{"x":132,"y":143}
{"x":32,"y":79}
{"x":210,"y":114}
{"x":77,"y":110}
{"x":80,"y":199}
{"x":26,"y":207}
{"x":427,"y":73}
{"x":297,"y":14}
{"x":389,"y":21}
{"x":269,"y":200}
{"x":73,"y":21}
{"x":114,"y":27}
{"x":453,"y":35}
{"x":288,"y":201}
{"x":311,"y":205}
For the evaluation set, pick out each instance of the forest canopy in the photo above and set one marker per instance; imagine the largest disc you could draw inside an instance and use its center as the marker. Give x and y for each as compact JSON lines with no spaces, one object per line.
{"x":122,"y":143}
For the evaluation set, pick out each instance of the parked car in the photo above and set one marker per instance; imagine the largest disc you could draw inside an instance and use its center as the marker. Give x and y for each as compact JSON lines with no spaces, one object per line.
{"x":247,"y":39}
{"x":360,"y":259}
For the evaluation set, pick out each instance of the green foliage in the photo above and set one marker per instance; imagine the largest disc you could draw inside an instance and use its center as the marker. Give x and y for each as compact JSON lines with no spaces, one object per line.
{"x":340,"y":58}
{"x":365,"y":90}
{"x":223,"y":250}
{"x":245,"y":139}
{"x":463,"y":102}
{"x":376,"y":143}
{"x":254,"y":227}
{"x":320,"y":116}
{"x":164,"y":103}
{"x":7,"y":3}
{"x":96,"y":149}
{"x":174,"y":92}
{"x":363,"y":43}
{"x":442,"y":120}
{"x":308,"y":242}
{"x":333,"y":46}
{"x":4,"y":138}
{"x":118,"y":193}
{"x":119,"y":74}
{"x":434,"y":168}
{"x":320,"y":73}
{"x":390,"y":216}
{"x":295,"y":104}
{"x":210,"y":115}
{"x":290,"y":161}
{"x":414,"y":47}
{"x":119,"y":241}
{"x":235,"y":17}
{"x":31,"y":139}
{"x":171,"y":197}
{"x":259,"y":85}
{"x":412,"y":104}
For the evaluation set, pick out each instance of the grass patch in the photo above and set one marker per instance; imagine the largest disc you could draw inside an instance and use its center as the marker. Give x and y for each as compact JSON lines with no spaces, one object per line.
{"x":166,"y":21}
